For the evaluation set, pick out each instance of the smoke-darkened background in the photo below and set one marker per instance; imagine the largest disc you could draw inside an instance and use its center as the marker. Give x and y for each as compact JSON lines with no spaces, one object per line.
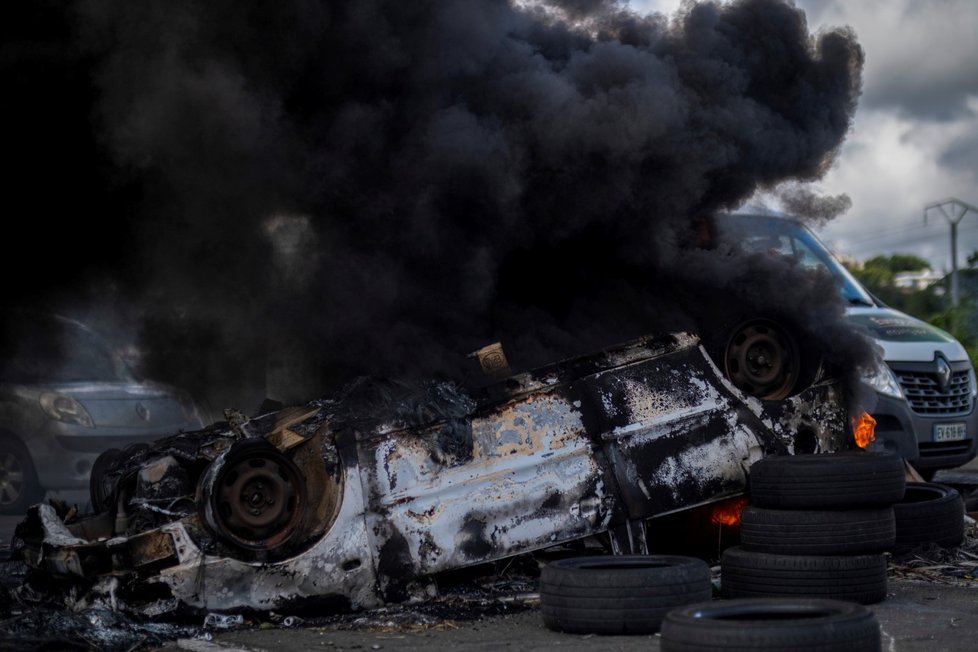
{"x":268,"y":198}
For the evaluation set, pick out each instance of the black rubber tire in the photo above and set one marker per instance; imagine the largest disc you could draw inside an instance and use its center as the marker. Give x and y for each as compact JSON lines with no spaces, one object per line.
{"x":929,"y":513}
{"x":799,"y":625}
{"x":628,"y":594}
{"x":845,"y":480}
{"x":19,"y":487}
{"x":856,"y":578}
{"x":817,"y":532}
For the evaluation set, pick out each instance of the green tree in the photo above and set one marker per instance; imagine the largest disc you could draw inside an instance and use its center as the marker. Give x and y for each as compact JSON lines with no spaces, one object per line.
{"x":878,"y":272}
{"x":973,"y":258}
{"x":907,"y":263}
{"x":962,"y":323}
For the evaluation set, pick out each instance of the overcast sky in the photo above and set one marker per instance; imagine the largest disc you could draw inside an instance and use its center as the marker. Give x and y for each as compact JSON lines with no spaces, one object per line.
{"x":915,"y":136}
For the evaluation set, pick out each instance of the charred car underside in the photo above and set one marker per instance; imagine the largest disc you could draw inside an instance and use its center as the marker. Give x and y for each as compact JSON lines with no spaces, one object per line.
{"x":360,"y":498}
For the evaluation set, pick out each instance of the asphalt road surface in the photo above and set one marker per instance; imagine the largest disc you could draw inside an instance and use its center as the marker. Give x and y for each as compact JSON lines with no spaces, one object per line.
{"x":915,"y":617}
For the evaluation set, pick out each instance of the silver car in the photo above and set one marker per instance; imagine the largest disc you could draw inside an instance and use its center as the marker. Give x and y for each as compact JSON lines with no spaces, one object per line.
{"x":65,"y":397}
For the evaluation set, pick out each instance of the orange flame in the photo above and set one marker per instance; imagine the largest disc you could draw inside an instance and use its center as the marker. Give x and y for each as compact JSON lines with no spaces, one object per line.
{"x":864,"y":429}
{"x":728,"y":512}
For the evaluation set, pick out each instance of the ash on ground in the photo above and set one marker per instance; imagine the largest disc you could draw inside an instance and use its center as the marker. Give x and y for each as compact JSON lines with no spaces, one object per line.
{"x":30,"y":621}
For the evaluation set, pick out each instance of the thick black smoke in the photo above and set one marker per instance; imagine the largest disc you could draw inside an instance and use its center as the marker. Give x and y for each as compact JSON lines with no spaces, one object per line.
{"x":807,"y":205}
{"x":341,"y":188}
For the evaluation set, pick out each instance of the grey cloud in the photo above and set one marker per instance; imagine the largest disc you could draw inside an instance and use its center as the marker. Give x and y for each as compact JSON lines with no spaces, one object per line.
{"x":962,"y":155}
{"x":921,"y":55}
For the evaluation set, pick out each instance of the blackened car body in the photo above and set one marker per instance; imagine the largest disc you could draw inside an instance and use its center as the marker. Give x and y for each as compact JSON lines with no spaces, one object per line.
{"x":361,"y":498}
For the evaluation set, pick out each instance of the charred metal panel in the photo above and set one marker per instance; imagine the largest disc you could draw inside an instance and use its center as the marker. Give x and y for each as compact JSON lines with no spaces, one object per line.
{"x":674,"y":438}
{"x":149,"y":548}
{"x":532,"y":481}
{"x":819,"y":412}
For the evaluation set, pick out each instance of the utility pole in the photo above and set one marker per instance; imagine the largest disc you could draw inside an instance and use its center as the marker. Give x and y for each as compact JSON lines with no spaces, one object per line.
{"x":953,"y":211}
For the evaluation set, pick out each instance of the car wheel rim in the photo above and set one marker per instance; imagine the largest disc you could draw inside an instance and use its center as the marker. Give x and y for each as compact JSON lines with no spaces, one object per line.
{"x":260,"y":499}
{"x":762,"y":360}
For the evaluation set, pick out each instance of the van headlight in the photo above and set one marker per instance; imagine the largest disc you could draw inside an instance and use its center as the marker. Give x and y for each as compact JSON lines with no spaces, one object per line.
{"x":884,"y":381}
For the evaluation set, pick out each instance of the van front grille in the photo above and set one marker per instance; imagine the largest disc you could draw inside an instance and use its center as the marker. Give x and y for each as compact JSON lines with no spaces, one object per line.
{"x":926,"y":396}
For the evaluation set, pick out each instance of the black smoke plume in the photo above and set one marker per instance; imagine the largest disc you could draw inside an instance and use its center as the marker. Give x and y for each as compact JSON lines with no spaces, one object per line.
{"x":326,"y":189}
{"x":808,"y":205}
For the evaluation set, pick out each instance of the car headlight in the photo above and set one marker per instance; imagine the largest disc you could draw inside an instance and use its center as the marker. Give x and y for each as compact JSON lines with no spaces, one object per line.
{"x":884,"y":381}
{"x":64,"y":408}
{"x":973,"y":382}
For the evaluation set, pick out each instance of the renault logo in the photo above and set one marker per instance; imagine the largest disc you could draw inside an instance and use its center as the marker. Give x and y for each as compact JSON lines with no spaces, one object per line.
{"x":143,"y":412}
{"x":943,"y":373}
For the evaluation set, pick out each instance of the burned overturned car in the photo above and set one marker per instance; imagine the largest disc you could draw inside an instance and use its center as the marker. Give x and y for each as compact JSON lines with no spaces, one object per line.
{"x":360,"y":498}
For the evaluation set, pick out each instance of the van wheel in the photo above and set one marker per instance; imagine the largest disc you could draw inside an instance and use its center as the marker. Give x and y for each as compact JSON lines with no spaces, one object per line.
{"x":759,"y":624}
{"x":19,"y":488}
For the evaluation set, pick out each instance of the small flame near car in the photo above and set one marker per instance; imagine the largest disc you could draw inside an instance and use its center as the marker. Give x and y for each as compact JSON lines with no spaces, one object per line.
{"x":728,"y":511}
{"x":864,"y":429}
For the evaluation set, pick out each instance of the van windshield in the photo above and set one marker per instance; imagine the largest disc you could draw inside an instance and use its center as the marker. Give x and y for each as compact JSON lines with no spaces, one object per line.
{"x":785,"y":237}
{"x":38,"y":349}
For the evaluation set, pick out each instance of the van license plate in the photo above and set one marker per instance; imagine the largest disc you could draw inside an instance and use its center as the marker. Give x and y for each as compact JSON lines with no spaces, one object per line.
{"x":950,"y":431}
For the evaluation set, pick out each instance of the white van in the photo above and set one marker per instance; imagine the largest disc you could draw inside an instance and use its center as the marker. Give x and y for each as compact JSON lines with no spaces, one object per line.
{"x":926,"y":390}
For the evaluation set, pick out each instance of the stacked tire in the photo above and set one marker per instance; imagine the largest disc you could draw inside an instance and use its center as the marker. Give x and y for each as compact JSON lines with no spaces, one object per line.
{"x":817,"y":527}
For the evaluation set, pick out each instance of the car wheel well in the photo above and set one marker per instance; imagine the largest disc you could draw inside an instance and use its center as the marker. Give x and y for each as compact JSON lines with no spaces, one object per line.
{"x":19,"y":486}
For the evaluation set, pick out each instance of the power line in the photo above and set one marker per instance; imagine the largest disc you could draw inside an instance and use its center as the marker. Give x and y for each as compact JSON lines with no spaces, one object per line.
{"x":954,"y":211}
{"x":887,"y":235}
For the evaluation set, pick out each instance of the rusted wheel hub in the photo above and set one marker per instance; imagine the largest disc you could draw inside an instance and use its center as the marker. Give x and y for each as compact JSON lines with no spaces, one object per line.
{"x":258,"y":498}
{"x":762,"y":359}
